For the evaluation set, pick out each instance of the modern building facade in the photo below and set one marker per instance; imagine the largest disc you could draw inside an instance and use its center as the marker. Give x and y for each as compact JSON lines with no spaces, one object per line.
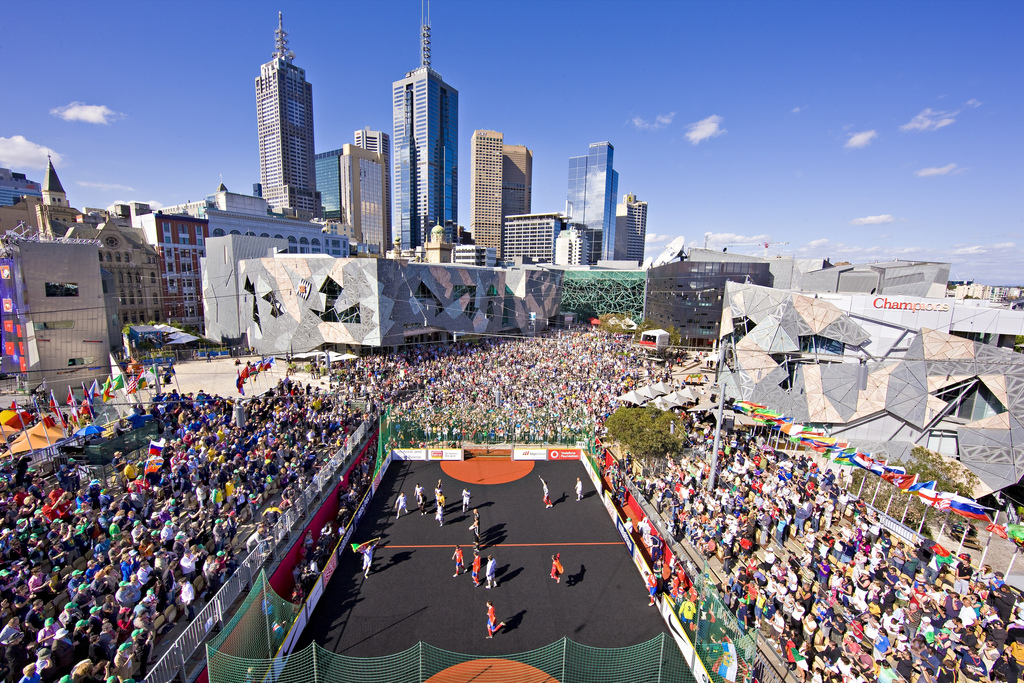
{"x":294,"y":303}
{"x":572,"y":248}
{"x":884,"y":372}
{"x":590,"y":291}
{"x":180,"y":243}
{"x":485,"y":217}
{"x":631,"y":227}
{"x":54,"y":320}
{"x":516,"y":180}
{"x":593,"y":187}
{"x":284,"y":117}
{"x":426,"y":151}
{"x":688,"y":295}
{"x":14,"y":186}
{"x":475,"y":255}
{"x":352,"y":182}
{"x":379,"y":142}
{"x":532,"y":236}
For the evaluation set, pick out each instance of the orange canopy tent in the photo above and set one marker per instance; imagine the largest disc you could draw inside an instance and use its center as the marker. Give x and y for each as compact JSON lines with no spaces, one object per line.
{"x":37,"y":437}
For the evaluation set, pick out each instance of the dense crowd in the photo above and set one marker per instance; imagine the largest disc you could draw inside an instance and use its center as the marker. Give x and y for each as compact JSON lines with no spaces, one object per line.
{"x":93,"y":572}
{"x":839,"y":597}
{"x":554,"y":390}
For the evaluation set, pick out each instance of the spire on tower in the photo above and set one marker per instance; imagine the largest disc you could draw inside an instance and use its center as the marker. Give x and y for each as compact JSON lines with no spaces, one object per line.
{"x":425,"y":36}
{"x":281,"y":41}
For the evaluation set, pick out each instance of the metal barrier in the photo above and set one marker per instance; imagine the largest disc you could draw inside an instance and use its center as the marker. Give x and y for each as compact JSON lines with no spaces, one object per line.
{"x":174,"y":664}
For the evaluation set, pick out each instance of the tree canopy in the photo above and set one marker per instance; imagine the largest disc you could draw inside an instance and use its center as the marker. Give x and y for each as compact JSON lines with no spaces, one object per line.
{"x":646,"y":432}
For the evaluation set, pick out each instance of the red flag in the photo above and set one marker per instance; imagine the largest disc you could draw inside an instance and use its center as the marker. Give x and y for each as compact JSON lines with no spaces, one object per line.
{"x":245,"y":373}
{"x":901,"y":481}
{"x":48,"y":422}
{"x":998,"y":529}
{"x":939,"y":550}
{"x":71,"y":398}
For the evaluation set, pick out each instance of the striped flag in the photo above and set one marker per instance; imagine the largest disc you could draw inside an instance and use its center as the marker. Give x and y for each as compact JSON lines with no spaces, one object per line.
{"x":133,"y":384}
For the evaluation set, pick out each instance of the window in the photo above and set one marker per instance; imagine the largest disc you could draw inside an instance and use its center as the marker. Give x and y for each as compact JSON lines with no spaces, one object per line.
{"x":217,"y":232}
{"x":131,"y":298}
{"x":127,"y":257}
{"x":55,"y":325}
{"x":124,"y":302}
{"x":120,"y":278}
{"x":819,"y":344}
{"x":72,"y":362}
{"x":138,"y":278}
{"x":155,"y":301}
{"x":117,"y":257}
{"x":101,"y":258}
{"x":108,"y":257}
{"x":152,"y":278}
{"x":61,"y":289}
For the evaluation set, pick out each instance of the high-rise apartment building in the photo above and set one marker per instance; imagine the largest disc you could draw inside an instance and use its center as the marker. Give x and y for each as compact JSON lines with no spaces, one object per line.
{"x":380,"y":142}
{"x":426,"y":151}
{"x":502,"y":177}
{"x":532,"y":236}
{"x":516,"y":180}
{"x":485,"y":216}
{"x":593,"y":186}
{"x":352,"y":183}
{"x":284,"y":116}
{"x":14,"y":186}
{"x":572,"y":248}
{"x":631,"y":227}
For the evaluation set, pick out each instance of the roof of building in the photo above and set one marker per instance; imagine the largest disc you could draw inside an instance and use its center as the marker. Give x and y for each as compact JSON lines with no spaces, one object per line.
{"x":51,"y":183}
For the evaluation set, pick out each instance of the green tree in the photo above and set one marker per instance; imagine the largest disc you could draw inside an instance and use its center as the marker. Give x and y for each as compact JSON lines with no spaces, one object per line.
{"x":646,"y":432}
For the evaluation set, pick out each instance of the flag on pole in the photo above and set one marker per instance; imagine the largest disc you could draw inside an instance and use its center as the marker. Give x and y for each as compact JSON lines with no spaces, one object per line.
{"x":1016,"y":533}
{"x":360,"y":547}
{"x":240,"y":384}
{"x":56,"y":411}
{"x":922,"y":486}
{"x":71,"y":397}
{"x":997,"y":529}
{"x":900,"y":481}
{"x":133,"y":385}
{"x":157,"y":447}
{"x":965,"y":507}
{"x":728,"y":665}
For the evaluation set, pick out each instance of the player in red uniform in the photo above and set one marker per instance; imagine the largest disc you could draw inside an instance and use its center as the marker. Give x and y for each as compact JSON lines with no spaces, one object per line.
{"x":491,"y":627}
{"x":556,"y":567}
{"x":652,"y":587}
{"x":459,"y":566}
{"x":476,"y":568}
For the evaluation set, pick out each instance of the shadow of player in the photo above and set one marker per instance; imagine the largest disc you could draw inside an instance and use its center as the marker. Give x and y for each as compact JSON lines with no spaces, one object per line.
{"x":588,"y":494}
{"x":576,"y":578}
{"x":560,"y":500}
{"x":512,"y":623}
{"x":504,"y":576}
{"x":397,"y":558}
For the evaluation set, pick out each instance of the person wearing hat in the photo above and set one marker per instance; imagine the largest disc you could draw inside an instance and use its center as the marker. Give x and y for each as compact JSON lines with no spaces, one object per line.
{"x":124,"y":660}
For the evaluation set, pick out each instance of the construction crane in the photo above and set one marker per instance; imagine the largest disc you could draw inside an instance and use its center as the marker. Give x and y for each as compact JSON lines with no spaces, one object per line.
{"x":769,"y":244}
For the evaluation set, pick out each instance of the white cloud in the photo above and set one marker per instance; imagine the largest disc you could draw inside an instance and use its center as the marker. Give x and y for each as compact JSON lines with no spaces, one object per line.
{"x":859,"y":140}
{"x":1004,"y":245}
{"x":705,"y":129}
{"x":939,"y":170}
{"x":17,"y":152}
{"x":796,"y":110}
{"x":814,"y":244}
{"x":972,"y":249}
{"x":972,"y":103}
{"x":717,"y":240}
{"x":660,"y":121}
{"x":105,"y":186}
{"x":654,"y":238}
{"x":87,"y":113}
{"x":873,"y":220}
{"x":930,"y":119}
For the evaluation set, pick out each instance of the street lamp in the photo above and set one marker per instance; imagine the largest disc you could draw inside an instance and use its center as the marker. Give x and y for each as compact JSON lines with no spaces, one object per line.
{"x":718,"y":418}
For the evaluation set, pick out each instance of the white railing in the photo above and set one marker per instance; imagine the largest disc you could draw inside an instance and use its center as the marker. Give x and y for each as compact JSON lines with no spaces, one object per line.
{"x":175,"y":662}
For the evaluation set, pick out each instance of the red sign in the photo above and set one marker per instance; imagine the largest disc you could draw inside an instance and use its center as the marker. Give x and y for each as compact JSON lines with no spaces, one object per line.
{"x":564,"y":454}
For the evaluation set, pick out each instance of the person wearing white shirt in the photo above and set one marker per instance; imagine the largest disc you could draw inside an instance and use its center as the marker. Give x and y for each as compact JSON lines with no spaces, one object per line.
{"x":187,"y":596}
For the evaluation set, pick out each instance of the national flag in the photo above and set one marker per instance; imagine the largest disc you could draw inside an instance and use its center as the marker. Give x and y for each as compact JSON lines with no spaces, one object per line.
{"x":900,"y":481}
{"x":360,"y":547}
{"x":922,"y":486}
{"x":56,"y":411}
{"x":94,"y":391}
{"x":71,"y":398}
{"x":997,"y":529}
{"x":133,"y":385}
{"x":966,"y":507}
{"x":111,"y":385}
{"x":1016,"y":533}
{"x":240,"y":384}
{"x":895,"y":469}
{"x":245,"y":373}
{"x":154,"y":463}
{"x":942,"y":556}
{"x":157,"y":447}
{"x":933,"y":498}
{"x":728,"y":665}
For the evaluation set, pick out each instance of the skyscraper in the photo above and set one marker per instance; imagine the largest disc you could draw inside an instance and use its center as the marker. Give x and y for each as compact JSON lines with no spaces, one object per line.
{"x":352,"y":183}
{"x":631,"y":227}
{"x":380,"y":142}
{"x":516,"y":180}
{"x":426,"y":168}
{"x":284,"y":116}
{"x":593,"y":186}
{"x":485,"y":216}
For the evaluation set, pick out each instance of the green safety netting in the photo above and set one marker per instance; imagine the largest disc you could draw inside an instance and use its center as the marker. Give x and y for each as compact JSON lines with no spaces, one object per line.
{"x":257,"y":629}
{"x":656,"y":661}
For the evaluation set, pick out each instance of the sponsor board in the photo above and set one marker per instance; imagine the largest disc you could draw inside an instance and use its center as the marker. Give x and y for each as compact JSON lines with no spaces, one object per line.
{"x":700,"y":672}
{"x":289,"y":642}
{"x":564,"y":453}
{"x":409,"y":454}
{"x":329,"y":568}
{"x":314,"y":594}
{"x":641,"y":564}
{"x":609,"y":505}
{"x":624,"y":533}
{"x":444,"y":454}
{"x":529,"y":454}
{"x":380,"y":474}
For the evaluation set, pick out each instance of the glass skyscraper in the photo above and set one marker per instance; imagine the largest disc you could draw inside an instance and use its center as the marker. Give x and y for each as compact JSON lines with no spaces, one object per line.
{"x":353,"y":187}
{"x":593,"y":188}
{"x":426,"y":152}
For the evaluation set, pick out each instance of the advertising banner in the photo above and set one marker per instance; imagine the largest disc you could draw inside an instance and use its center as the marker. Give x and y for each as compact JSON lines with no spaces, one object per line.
{"x":314,"y":594}
{"x":589,"y":467}
{"x":409,"y":454}
{"x":380,"y":474}
{"x":700,"y":672}
{"x":529,"y":454}
{"x":609,"y":504}
{"x":329,"y":568}
{"x":564,"y":453}
{"x":444,"y":454}
{"x":620,"y":526}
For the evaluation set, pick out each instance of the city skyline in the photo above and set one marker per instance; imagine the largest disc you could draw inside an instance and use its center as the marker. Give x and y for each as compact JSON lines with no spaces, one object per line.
{"x":852,"y":131}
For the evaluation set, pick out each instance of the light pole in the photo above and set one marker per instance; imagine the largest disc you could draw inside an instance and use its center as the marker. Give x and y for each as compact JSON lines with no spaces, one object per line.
{"x":718,"y":418}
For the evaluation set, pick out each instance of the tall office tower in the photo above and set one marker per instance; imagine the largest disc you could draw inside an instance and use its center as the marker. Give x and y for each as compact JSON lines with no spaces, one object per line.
{"x":485,"y":216}
{"x":593,"y":186}
{"x":631,"y":227}
{"x":516,"y":180}
{"x":380,"y":142}
{"x":284,"y":116}
{"x":352,"y":183}
{"x":426,"y":158}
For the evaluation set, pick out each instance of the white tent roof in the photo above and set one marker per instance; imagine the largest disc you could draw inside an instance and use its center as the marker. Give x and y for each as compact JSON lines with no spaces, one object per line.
{"x":631,"y":397}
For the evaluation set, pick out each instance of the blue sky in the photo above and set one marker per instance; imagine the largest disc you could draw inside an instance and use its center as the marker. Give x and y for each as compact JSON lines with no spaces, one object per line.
{"x":857,"y":131}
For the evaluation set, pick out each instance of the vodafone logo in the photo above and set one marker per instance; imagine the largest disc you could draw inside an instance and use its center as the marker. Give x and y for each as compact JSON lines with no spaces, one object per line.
{"x":882,"y":302}
{"x":564,"y":453}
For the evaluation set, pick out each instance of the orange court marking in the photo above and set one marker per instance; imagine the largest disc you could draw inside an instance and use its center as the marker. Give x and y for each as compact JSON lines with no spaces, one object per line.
{"x":491,"y":671}
{"x":487,"y":470}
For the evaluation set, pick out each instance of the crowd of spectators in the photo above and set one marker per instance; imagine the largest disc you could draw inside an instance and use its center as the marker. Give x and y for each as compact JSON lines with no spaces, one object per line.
{"x":94,"y":571}
{"x":840,"y":598}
